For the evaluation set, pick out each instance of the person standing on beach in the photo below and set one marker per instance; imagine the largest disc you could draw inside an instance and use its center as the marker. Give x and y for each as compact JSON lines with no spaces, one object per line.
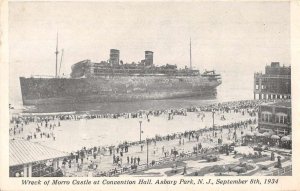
{"x":184,"y":170}
{"x":77,"y":156}
{"x":138,"y":160}
{"x":82,"y":156}
{"x":95,"y":154}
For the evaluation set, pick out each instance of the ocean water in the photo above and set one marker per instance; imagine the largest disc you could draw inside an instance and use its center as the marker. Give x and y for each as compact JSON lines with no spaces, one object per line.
{"x":234,"y":87}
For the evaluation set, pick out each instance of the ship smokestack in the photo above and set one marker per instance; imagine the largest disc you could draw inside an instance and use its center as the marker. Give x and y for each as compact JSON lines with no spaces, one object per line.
{"x":114,"y":57}
{"x":148,"y":58}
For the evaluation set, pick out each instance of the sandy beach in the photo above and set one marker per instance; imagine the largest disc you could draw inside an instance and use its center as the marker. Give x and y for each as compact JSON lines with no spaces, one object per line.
{"x":106,"y":132}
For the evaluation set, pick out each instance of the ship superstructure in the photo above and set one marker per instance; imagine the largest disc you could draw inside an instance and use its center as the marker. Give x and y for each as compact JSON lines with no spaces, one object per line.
{"x":114,"y":80}
{"x":114,"y":67}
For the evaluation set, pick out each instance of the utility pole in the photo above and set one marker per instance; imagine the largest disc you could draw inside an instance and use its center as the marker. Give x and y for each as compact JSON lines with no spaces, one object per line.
{"x":140,"y":131}
{"x":147,"y":152}
{"x":213,"y":118}
{"x":191,"y":54}
{"x":235,"y":136}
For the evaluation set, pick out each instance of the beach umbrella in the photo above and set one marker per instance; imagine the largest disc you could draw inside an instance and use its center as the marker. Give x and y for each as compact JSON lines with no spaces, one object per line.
{"x":258,"y":134}
{"x":227,"y":141}
{"x":255,"y":133}
{"x":271,"y":132}
{"x":248,"y":133}
{"x":266,"y":134}
{"x":275,"y":137}
{"x":285,"y":138}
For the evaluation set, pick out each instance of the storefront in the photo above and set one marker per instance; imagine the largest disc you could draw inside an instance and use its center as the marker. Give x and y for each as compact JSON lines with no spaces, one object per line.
{"x":275,"y":117}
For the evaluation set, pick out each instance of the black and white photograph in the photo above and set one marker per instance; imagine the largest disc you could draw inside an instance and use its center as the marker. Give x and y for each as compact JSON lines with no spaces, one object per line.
{"x":150,"y":89}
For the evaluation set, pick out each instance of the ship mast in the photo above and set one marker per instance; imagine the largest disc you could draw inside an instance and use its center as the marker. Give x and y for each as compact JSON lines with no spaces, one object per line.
{"x":191,"y":54}
{"x":56,"y":53}
{"x":61,"y":57}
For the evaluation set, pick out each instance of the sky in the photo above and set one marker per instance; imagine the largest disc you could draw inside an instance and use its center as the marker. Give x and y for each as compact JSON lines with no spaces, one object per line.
{"x":231,"y":37}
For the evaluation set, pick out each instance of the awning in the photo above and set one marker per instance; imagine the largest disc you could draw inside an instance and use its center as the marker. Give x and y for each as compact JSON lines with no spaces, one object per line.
{"x":24,"y":152}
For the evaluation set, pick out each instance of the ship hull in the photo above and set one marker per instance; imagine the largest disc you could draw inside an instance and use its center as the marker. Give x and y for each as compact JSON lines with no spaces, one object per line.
{"x":41,"y":91}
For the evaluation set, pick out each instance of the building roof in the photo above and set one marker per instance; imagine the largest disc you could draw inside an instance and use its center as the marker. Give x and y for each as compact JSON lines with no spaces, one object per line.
{"x":24,"y":152}
{"x":280,"y":104}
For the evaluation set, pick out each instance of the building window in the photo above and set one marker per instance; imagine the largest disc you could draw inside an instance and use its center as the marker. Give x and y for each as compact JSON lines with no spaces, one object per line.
{"x":269,"y":117}
{"x":281,"y":118}
{"x":266,"y":116}
{"x":277,"y":119}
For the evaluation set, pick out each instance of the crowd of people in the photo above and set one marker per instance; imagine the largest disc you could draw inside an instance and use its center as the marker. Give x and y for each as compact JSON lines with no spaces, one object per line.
{"x":43,"y":129}
{"x":120,"y":155}
{"x":249,"y":106}
{"x":123,"y":159}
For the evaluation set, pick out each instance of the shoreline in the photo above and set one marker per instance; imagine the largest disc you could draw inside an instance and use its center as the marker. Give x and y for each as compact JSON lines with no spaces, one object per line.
{"x":26,"y":112}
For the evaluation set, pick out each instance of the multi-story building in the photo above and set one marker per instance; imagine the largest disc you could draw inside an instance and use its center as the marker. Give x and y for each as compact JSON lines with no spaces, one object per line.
{"x":274,"y":84}
{"x":276,"y":117}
